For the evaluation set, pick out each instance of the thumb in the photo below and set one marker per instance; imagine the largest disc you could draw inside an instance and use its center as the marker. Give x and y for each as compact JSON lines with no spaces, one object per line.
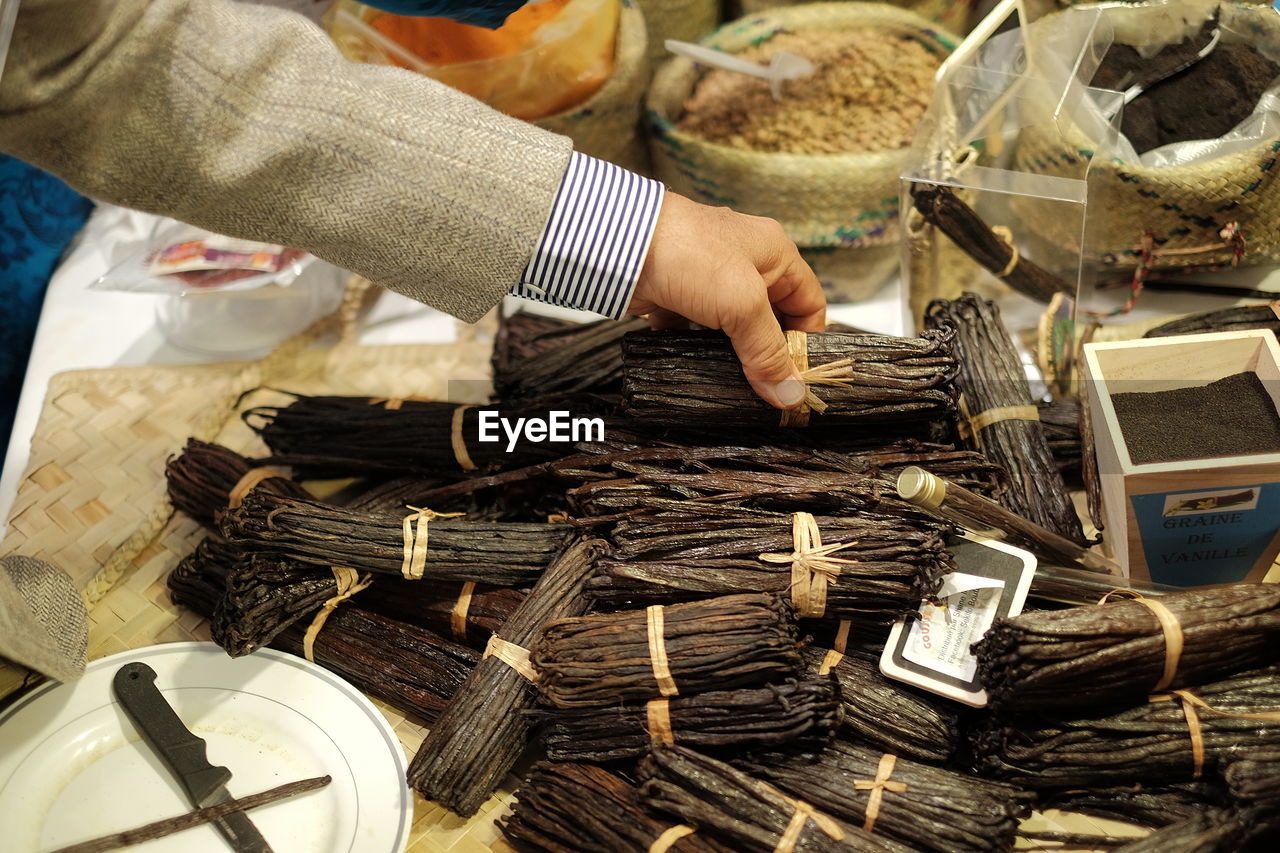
{"x":761,"y":347}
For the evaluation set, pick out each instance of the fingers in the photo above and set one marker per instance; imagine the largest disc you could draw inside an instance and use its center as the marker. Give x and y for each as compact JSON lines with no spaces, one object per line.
{"x":794,"y":290}
{"x":761,"y":347}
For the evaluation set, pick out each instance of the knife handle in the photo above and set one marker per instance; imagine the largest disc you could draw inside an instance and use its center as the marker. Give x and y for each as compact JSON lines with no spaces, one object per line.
{"x":135,"y":687}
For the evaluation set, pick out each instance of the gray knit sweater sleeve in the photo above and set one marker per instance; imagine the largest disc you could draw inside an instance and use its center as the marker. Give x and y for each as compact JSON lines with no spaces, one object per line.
{"x":246,"y":120}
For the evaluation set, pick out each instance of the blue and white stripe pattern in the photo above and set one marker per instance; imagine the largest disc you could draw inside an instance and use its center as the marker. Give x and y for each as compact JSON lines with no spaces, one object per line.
{"x":593,"y":246}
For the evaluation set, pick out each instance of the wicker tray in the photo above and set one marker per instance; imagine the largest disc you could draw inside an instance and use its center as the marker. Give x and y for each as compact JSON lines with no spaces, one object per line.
{"x":92,"y":500}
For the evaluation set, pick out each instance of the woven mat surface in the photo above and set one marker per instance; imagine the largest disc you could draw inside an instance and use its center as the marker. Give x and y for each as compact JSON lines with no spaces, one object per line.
{"x":92,"y":500}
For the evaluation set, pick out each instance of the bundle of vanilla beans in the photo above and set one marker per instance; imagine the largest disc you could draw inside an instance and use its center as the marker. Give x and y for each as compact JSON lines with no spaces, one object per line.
{"x":202,"y":478}
{"x":408,"y":667}
{"x":1117,"y":651}
{"x":636,"y":655}
{"x":941,"y":207}
{"x":1234,"y":319}
{"x":749,"y":814}
{"x":1213,"y":830}
{"x":884,"y":567}
{"x":485,"y":728}
{"x":265,"y":594}
{"x":926,"y":808}
{"x":694,"y":379}
{"x":1163,"y":738}
{"x":362,"y":436}
{"x":451,"y":549}
{"x":798,"y":714}
{"x":998,"y":415}
{"x":534,"y":357}
{"x":577,"y":808}
{"x":1061,"y":421}
{"x":1151,"y":806}
{"x":886,"y":713}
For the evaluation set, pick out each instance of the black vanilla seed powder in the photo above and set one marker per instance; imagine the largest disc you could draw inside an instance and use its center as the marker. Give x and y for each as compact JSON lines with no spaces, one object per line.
{"x":1234,"y":416}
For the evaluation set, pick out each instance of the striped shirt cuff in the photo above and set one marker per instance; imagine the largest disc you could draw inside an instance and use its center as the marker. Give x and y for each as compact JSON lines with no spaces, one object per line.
{"x":593,"y":246}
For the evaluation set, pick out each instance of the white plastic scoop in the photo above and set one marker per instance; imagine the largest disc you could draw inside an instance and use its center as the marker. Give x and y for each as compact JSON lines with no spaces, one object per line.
{"x":784,"y":65}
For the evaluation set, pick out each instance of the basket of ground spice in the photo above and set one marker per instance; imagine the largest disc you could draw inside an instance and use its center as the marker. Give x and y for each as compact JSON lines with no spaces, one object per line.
{"x":952,"y":14}
{"x":1163,"y":199}
{"x":575,"y":67}
{"x":824,"y":158}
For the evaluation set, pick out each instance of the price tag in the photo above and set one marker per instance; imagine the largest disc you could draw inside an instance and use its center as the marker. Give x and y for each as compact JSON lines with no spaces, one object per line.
{"x":933,"y":652}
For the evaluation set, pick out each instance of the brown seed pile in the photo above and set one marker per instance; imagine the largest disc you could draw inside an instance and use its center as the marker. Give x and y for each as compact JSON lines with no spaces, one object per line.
{"x":868,"y":93}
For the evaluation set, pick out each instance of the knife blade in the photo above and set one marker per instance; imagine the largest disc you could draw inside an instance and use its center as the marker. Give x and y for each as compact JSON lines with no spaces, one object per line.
{"x":184,"y":753}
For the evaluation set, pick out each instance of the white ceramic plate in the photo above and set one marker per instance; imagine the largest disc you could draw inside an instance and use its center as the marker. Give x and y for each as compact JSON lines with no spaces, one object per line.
{"x":73,"y":767}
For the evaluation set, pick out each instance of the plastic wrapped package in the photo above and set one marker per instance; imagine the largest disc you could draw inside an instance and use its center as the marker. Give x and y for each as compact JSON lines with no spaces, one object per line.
{"x":548,"y":57}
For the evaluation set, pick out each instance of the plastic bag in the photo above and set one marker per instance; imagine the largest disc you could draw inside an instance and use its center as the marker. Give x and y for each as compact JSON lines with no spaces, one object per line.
{"x":179,"y":258}
{"x":547,"y":58}
{"x":1072,"y":45}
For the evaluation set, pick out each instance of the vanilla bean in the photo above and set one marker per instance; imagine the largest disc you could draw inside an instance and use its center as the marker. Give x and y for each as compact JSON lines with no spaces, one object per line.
{"x":577,"y":808}
{"x":697,"y":550}
{"x":1151,"y":806}
{"x":1149,"y":742}
{"x":718,"y":644}
{"x":1117,"y":651}
{"x":199,"y":817}
{"x":360,"y":436}
{"x":498,"y":553}
{"x":535,"y":357}
{"x":482,"y":732}
{"x":885,"y":713}
{"x":991,"y":378}
{"x":941,"y":207}
{"x":749,"y":814}
{"x":694,"y":379}
{"x":801,"y":713}
{"x":1234,"y":319}
{"x":940,"y":810}
{"x":1211,"y":831}
{"x":202,"y":477}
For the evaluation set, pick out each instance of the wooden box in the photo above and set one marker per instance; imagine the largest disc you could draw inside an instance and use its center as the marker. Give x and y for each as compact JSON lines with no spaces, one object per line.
{"x":1195,"y":522}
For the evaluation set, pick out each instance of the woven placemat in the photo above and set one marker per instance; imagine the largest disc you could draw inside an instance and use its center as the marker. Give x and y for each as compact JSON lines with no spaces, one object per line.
{"x":92,"y":500}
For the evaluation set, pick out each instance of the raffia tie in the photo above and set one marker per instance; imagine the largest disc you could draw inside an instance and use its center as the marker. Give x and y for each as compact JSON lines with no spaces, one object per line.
{"x":415,"y":540}
{"x":458,"y":616}
{"x":877,"y":787}
{"x":394,"y":404}
{"x":656,"y":628}
{"x":835,"y":373}
{"x":250,"y":480}
{"x":667,"y":839}
{"x":516,"y":657}
{"x":349,"y":583}
{"x":1005,"y":236}
{"x":458,"y":442}
{"x":657,"y":714}
{"x":836,"y":653}
{"x":1193,"y":706}
{"x":812,"y":566}
{"x":971,"y":426}
{"x":802,"y":815}
{"x":1169,"y":627}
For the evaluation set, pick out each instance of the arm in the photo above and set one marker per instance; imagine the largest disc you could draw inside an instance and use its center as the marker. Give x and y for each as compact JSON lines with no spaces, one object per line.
{"x":246,"y":121}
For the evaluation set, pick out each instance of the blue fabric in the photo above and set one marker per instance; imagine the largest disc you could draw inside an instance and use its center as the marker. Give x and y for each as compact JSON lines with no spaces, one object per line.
{"x":481,"y":13}
{"x":38,"y":217}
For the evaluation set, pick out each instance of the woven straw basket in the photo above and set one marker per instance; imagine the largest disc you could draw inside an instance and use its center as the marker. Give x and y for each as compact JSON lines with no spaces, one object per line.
{"x":93,"y":501}
{"x":607,"y":125}
{"x":686,"y":20}
{"x":952,"y":14}
{"x":1184,"y":207}
{"x":848,"y":200}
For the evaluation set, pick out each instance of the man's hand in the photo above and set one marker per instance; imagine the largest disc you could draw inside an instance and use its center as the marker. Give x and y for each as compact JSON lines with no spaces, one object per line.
{"x":739,"y":273}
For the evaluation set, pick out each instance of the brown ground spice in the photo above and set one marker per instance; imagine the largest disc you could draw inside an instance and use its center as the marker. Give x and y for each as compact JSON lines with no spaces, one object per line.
{"x":1204,"y":102}
{"x":868,"y":93}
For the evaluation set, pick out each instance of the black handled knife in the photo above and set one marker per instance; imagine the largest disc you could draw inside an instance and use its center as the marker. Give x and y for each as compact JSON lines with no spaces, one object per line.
{"x":184,"y":753}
